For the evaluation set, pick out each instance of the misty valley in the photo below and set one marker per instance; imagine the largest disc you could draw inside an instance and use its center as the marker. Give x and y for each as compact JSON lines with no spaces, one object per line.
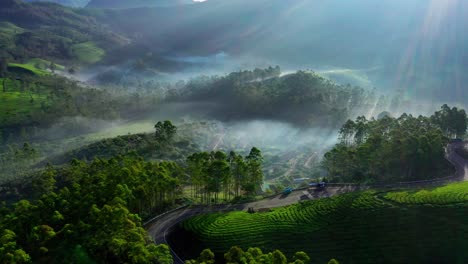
{"x":233,"y":131}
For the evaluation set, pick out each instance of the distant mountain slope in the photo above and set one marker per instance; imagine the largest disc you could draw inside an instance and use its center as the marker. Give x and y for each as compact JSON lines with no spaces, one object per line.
{"x":418,"y":46}
{"x":72,"y":3}
{"x":122,"y":4}
{"x":53,"y":32}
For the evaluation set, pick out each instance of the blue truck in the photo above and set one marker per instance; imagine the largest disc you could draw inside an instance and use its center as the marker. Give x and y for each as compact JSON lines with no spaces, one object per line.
{"x":287,"y":190}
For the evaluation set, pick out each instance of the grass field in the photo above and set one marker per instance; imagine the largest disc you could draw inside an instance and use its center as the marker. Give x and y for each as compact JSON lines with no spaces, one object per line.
{"x":18,"y":106}
{"x":42,"y":64}
{"x":9,"y":29}
{"x":88,"y":52}
{"x":429,"y":226}
{"x":26,"y":68}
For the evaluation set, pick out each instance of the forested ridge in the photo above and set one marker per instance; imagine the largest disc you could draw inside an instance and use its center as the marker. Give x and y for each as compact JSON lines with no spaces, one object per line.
{"x":34,"y":102}
{"x":395,"y":149}
{"x":302,"y":98}
{"x":50,"y":31}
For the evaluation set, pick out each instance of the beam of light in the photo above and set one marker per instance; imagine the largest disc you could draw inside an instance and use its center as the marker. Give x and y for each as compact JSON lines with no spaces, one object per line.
{"x":427,"y":51}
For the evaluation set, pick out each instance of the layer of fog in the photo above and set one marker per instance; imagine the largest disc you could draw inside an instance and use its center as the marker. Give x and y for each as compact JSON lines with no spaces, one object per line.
{"x":278,"y":135}
{"x":416,"y":46}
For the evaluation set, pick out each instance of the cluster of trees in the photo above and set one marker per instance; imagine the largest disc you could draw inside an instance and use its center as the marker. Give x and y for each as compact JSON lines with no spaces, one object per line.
{"x":304,"y":98}
{"x":232,"y":174}
{"x":144,"y":145}
{"x":452,"y":121}
{"x":165,"y":131}
{"x":16,"y":159}
{"x":253,"y":256}
{"x":394,"y":149}
{"x":84,"y":213}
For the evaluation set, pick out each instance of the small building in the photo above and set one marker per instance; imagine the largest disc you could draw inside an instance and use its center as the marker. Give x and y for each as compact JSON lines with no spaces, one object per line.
{"x":300,"y":180}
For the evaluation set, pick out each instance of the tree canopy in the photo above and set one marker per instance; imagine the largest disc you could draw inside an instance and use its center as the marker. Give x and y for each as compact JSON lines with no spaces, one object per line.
{"x":394,"y":149}
{"x":90,"y":211}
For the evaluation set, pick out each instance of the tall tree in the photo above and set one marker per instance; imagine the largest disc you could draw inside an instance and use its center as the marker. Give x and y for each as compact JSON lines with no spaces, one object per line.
{"x":3,"y":72}
{"x":254,"y":180}
{"x":165,"y":131}
{"x":238,"y":171}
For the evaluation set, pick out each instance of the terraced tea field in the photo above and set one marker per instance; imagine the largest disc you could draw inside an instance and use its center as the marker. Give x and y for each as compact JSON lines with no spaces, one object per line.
{"x":17,"y":107}
{"x":428,"y":226}
{"x":88,"y":52}
{"x":26,"y":68}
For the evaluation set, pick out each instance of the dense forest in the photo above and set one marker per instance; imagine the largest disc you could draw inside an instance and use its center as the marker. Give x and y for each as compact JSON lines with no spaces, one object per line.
{"x":303,"y":98}
{"x":86,"y":213}
{"x":395,"y":149}
{"x":52,"y":32}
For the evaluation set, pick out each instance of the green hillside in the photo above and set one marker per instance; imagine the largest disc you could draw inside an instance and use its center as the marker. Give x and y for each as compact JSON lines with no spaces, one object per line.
{"x":9,"y":29}
{"x":144,"y":145}
{"x":44,"y":64}
{"x":25,"y":68}
{"x":54,"y":33}
{"x":18,"y":107}
{"x":426,"y":226}
{"x":88,"y":52}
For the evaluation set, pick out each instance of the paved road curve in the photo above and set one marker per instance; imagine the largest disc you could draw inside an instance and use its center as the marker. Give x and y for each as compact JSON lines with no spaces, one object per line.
{"x":159,"y":228}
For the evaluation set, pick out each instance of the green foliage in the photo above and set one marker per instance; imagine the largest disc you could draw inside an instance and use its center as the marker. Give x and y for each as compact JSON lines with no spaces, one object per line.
{"x":365,"y":227}
{"x":278,"y":257}
{"x":253,"y":255}
{"x":302,"y":98}
{"x":453,"y":193}
{"x":388,"y":150}
{"x":9,"y":252}
{"x":30,"y":31}
{"x":91,"y":213}
{"x":15,"y":159}
{"x":215,"y":172}
{"x":45,"y":182}
{"x":25,"y":68}
{"x":39,"y":101}
{"x":302,"y":256}
{"x":452,"y":121}
{"x":88,"y":52}
{"x":165,"y":131}
{"x":254,"y":171}
{"x":144,"y":145}
{"x":206,"y":256}
{"x":17,"y":107}
{"x":44,"y":64}
{"x":235,"y":255}
{"x":7,"y":29}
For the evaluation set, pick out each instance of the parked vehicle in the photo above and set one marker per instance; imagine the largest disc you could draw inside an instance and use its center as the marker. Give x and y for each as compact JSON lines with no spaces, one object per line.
{"x":288,"y":190}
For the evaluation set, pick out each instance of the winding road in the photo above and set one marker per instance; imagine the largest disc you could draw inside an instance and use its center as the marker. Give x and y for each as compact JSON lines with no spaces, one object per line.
{"x":159,"y":228}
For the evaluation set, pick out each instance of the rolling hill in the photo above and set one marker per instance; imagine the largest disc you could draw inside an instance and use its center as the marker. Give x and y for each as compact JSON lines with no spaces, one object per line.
{"x":424,"y":226}
{"x":52,"y":32}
